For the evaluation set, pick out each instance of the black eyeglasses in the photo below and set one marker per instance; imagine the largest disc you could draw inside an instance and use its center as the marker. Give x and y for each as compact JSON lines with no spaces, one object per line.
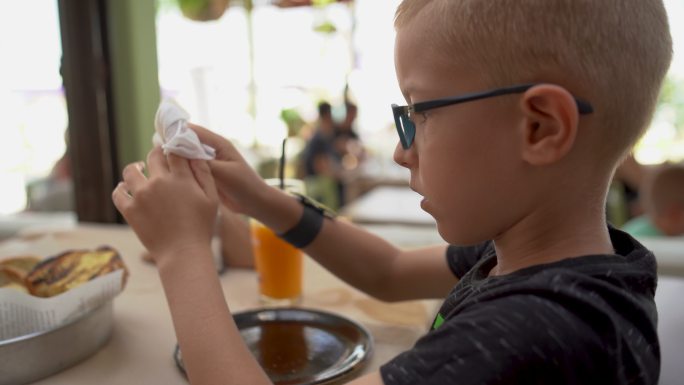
{"x":407,"y":129}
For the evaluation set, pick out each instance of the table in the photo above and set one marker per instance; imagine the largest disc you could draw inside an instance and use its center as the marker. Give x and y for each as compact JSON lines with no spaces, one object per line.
{"x":670,"y":330}
{"x":389,"y":205}
{"x":142,"y":342}
{"x":669,"y":252}
{"x":14,"y":223}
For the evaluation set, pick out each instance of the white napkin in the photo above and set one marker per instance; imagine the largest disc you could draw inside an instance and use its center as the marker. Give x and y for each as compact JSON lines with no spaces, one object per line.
{"x":173,"y":134}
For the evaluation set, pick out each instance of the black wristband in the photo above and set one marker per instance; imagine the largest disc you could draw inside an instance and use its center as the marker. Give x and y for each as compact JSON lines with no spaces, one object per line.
{"x":309,"y":225}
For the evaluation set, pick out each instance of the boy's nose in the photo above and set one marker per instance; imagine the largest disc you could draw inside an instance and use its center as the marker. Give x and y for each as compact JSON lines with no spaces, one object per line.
{"x":404,"y":157}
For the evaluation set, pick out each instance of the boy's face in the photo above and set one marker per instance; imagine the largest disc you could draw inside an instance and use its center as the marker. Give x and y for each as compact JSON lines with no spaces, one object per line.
{"x":465,"y":158}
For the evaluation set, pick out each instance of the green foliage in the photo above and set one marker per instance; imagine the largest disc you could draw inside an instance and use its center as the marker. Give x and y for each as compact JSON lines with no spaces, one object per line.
{"x":672,"y":97}
{"x":322,"y":3}
{"x":192,"y":6}
{"x":293,"y":120}
{"x":166,"y":5}
{"x":325,"y":27}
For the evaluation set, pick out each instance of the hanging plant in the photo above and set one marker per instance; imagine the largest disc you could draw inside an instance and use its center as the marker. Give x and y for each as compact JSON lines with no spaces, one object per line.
{"x":207,"y":10}
{"x":203,"y":10}
{"x":302,"y":3}
{"x":326,"y":27}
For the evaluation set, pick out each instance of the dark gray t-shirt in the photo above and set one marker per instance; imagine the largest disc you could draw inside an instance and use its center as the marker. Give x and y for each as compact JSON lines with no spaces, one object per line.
{"x":584,"y":320}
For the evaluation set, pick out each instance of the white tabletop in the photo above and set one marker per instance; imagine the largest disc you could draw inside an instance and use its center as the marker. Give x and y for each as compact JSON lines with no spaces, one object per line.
{"x":669,"y":296}
{"x":389,"y":205}
{"x":669,"y":252}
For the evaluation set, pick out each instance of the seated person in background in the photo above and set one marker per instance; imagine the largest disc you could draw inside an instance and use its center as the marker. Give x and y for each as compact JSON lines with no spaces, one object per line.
{"x":346,"y":129}
{"x":319,"y":153}
{"x":54,"y":192}
{"x":663,"y":201}
{"x":322,"y":167}
{"x":348,"y":146}
{"x":630,"y":176}
{"x":347,"y":141}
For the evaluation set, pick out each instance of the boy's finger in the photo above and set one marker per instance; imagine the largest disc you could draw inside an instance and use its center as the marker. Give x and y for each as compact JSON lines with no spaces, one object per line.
{"x":179,"y":165}
{"x":221,"y":171}
{"x":121,"y":198}
{"x":202,"y":172}
{"x":224,"y":149}
{"x":156,"y":162}
{"x":133,"y":176}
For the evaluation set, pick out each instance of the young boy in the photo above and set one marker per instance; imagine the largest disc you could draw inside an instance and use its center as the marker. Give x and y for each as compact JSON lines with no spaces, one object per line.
{"x":542,"y":290}
{"x":663,"y":203}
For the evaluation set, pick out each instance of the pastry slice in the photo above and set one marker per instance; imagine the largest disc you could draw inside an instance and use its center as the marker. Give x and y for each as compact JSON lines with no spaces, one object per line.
{"x":10,"y":279}
{"x":70,"y":269}
{"x":20,"y":266}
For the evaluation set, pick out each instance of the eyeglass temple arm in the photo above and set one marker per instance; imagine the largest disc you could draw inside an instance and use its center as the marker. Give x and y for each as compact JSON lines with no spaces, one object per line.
{"x":583,"y":106}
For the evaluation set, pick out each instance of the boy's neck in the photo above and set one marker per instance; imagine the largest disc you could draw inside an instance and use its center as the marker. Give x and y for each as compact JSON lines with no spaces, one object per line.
{"x":546,"y":236}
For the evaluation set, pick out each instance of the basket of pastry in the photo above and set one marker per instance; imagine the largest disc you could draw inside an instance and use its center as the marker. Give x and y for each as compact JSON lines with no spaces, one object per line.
{"x":49,"y":303}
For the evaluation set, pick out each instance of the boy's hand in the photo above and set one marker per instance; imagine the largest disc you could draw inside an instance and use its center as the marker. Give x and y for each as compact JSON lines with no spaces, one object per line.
{"x":174,"y":209}
{"x":239,"y":187}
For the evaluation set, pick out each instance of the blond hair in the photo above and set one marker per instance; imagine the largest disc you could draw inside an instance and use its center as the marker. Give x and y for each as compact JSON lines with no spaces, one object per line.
{"x":613,"y":53}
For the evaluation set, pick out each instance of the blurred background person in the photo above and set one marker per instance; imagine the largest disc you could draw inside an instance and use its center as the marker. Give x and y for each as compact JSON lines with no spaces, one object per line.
{"x":349,"y":148}
{"x":55,"y":192}
{"x":629,"y":178}
{"x":662,"y":198}
{"x":347,"y":140}
{"x":321,"y":162}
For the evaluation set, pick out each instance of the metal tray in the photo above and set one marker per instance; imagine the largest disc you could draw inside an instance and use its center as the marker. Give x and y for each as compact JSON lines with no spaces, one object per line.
{"x":34,"y":356}
{"x":298,"y":346}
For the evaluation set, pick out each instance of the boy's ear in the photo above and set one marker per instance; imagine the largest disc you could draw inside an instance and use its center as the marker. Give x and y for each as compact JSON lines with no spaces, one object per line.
{"x":549,"y":124}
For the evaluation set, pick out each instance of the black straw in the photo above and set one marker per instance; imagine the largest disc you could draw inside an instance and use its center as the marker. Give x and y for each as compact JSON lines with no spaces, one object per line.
{"x":281,"y":172}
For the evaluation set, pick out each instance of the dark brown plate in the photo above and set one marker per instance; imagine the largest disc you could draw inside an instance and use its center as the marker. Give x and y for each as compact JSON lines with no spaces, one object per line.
{"x":298,"y":346}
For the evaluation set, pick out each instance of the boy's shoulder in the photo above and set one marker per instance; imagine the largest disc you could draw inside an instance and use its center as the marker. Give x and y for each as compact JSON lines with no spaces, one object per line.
{"x":558,"y":329}
{"x":631,"y":261}
{"x":551,"y":323}
{"x":592,"y":281}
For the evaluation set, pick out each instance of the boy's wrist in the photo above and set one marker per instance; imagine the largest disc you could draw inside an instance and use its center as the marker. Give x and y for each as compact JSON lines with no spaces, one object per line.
{"x":182,"y":256}
{"x":278,"y":210}
{"x":310,"y":223}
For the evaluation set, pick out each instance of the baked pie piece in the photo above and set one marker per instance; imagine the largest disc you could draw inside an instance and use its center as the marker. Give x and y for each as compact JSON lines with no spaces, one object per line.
{"x":72,"y":268}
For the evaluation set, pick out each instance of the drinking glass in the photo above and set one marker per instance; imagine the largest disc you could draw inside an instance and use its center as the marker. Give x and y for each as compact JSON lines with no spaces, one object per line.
{"x":278,"y":263}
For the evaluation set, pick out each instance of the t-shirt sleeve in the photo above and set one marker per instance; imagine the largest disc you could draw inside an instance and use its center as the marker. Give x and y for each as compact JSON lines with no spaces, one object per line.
{"x":499,"y":343}
{"x":462,"y":259}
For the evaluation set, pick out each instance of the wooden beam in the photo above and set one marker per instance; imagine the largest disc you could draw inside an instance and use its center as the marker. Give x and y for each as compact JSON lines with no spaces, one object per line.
{"x":86,"y":72}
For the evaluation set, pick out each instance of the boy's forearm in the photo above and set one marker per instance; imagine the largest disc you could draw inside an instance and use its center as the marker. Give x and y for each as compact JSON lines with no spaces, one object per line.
{"x":378,"y":268}
{"x":364,"y":260}
{"x":277,"y":210}
{"x":213,"y":350}
{"x":358,"y":257}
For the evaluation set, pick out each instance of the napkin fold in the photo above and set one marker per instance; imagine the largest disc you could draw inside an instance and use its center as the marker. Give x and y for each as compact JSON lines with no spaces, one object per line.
{"x":173,"y":134}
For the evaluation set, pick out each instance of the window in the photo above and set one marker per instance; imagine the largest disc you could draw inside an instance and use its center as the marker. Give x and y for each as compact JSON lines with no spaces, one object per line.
{"x":34,"y":109}
{"x":206,"y":67}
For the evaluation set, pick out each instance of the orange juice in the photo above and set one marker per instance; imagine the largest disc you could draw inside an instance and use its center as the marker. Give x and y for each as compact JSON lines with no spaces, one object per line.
{"x":278,"y":264}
